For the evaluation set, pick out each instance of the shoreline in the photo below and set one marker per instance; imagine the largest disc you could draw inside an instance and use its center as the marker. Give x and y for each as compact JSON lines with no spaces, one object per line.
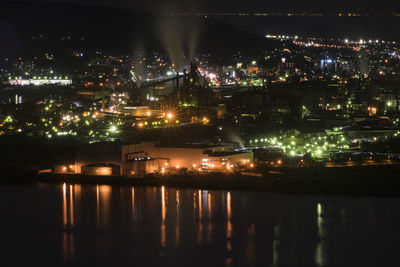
{"x":381,"y":180}
{"x":349,"y":181}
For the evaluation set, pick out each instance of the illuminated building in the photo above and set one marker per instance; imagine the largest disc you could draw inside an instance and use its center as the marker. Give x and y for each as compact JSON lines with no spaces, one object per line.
{"x":64,"y":168}
{"x":188,"y":156}
{"x":253,"y":69}
{"x":38,"y":82}
{"x":95,"y":159}
{"x":139,"y":111}
{"x":139,"y":163}
{"x":101,"y":169}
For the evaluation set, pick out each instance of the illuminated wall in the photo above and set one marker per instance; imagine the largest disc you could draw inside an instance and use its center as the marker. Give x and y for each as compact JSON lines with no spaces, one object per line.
{"x":103,"y":170}
{"x":220,"y":161}
{"x":189,"y":157}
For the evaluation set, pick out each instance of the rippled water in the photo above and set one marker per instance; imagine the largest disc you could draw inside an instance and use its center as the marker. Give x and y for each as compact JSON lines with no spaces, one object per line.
{"x":89,"y":225}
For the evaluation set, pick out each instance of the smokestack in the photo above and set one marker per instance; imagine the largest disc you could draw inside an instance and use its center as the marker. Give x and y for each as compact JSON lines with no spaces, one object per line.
{"x":185,"y":78}
{"x":177,"y":81}
{"x":177,"y":88}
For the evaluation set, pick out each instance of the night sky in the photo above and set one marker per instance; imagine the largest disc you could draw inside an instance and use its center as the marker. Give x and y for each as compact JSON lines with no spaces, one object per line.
{"x":240,"y":5}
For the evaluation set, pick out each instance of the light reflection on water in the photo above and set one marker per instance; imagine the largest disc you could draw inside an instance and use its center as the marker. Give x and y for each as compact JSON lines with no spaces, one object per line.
{"x":100,"y":224}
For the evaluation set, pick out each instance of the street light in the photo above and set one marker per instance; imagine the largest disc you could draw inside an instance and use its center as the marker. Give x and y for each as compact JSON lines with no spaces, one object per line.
{"x":113,"y":129}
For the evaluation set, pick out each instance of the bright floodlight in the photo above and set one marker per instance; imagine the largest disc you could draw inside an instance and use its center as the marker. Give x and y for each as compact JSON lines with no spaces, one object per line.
{"x":170,"y":115}
{"x":113,"y":129}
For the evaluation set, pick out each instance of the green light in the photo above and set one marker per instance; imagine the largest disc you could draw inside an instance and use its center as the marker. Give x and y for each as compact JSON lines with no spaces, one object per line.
{"x":9,"y":119}
{"x":113,"y":129}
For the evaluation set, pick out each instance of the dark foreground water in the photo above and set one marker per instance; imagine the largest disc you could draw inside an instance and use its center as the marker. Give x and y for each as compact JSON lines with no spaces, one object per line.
{"x":104,"y":225}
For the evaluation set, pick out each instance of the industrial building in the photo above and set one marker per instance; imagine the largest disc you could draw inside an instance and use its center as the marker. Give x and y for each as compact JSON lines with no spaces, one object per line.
{"x":156,"y":158}
{"x":97,"y":159}
{"x":108,"y":159}
{"x":101,"y":169}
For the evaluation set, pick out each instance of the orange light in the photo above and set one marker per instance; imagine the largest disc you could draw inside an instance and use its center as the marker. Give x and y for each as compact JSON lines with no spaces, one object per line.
{"x":140,"y":124}
{"x":170,"y":115}
{"x":104,"y":171}
{"x":279,"y":161}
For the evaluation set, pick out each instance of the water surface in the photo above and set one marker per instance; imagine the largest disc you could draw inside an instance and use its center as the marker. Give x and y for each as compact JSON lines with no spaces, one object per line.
{"x":353,"y":28}
{"x":89,"y":225}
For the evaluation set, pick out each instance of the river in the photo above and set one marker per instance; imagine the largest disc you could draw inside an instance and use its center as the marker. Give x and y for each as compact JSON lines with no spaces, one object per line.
{"x":102,"y":225}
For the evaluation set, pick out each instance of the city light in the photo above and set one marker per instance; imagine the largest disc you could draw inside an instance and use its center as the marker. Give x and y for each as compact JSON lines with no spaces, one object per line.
{"x":170,"y":115}
{"x":113,"y":129}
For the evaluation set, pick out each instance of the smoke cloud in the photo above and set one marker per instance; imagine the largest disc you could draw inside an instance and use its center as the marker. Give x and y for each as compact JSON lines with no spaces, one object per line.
{"x":179,"y":31}
{"x":171,"y":32}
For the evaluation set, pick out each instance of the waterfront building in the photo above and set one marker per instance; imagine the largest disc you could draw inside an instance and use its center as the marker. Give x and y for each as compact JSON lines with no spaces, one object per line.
{"x":194,"y":157}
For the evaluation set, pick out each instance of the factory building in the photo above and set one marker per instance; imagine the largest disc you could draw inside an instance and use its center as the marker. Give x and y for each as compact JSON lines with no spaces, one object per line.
{"x":139,"y":163}
{"x":156,"y":158}
{"x":110,"y":159}
{"x":98,"y":159}
{"x":100,"y":169}
{"x":227,"y":160}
